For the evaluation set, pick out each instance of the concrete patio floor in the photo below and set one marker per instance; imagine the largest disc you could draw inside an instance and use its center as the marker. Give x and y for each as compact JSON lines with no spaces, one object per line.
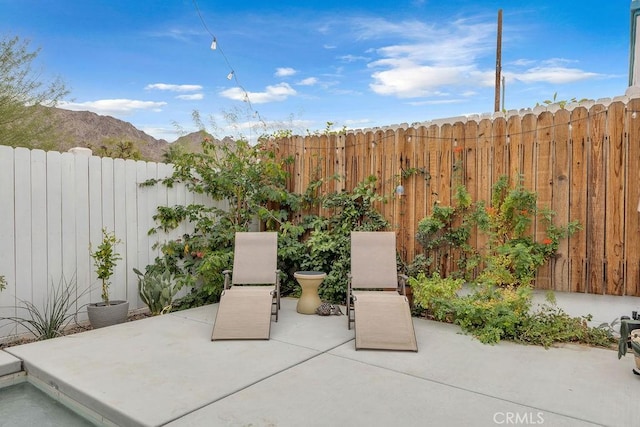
{"x":165,"y":371}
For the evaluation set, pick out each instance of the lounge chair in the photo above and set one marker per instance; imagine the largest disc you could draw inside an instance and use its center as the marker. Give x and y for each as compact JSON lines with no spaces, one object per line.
{"x":245,"y":311}
{"x":376,"y":301}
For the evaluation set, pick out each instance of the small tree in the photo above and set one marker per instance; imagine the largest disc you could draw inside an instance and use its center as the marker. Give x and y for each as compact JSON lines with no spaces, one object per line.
{"x":24,"y":96}
{"x":105,"y":259}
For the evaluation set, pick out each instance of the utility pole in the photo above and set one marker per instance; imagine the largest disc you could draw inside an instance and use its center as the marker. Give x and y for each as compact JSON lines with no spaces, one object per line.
{"x":634,"y":54}
{"x":498,"y":62}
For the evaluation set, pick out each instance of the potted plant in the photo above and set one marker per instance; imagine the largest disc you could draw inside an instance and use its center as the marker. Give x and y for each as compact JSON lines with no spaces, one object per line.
{"x":107,"y":312}
{"x":630,"y":337}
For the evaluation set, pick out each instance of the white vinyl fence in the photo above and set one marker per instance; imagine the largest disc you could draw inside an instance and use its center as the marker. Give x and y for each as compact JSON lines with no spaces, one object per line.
{"x":54,"y":205}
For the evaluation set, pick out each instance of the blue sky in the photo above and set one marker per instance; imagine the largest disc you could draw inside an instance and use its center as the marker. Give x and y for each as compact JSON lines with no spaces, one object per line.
{"x":302,"y":64}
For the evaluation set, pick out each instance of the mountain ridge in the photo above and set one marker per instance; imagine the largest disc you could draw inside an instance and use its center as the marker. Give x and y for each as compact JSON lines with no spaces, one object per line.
{"x":98,"y":132}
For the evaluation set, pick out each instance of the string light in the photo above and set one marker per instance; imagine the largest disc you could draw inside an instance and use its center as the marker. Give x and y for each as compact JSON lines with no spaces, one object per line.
{"x":232,"y":73}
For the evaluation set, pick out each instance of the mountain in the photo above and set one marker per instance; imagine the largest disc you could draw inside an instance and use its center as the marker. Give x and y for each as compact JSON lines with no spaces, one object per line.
{"x":87,"y":129}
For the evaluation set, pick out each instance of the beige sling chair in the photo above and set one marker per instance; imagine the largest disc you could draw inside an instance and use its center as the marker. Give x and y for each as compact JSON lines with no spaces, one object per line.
{"x":376,"y":301}
{"x":245,"y":311}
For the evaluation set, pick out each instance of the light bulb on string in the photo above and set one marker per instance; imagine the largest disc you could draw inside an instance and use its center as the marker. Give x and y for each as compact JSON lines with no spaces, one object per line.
{"x":214,"y":44}
{"x":230,"y":75}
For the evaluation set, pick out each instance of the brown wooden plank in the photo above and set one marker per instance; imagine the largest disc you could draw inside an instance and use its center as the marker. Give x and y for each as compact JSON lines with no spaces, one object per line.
{"x":485,"y":164}
{"x":614,"y":231}
{"x":514,"y":147}
{"x":597,"y":212}
{"x":433,"y":133}
{"x":500,"y":152}
{"x":529,"y":156}
{"x":560,"y":197}
{"x":299,"y":164}
{"x":485,"y":171}
{"x":544,"y":182}
{"x":458,"y":177}
{"x":471,"y":169}
{"x":578,"y":202}
{"x":445,"y":167}
{"x":410,"y":220}
{"x":632,"y":195}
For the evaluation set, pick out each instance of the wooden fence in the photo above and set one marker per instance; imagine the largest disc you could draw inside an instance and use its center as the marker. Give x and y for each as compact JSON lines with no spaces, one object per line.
{"x":583,"y":162}
{"x":54,"y":205}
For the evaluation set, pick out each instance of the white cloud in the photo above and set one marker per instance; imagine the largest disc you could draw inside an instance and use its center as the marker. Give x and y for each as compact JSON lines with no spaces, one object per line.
{"x":114,"y":106}
{"x":432,"y":57}
{"x":353,"y":58}
{"x":554,"y":75}
{"x":406,"y":79}
{"x":173,"y":88}
{"x":285,"y":72}
{"x":191,"y":97}
{"x":274,"y":93}
{"x":309,"y":81}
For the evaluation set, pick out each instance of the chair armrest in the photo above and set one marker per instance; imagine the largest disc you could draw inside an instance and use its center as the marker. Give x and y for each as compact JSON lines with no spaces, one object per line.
{"x":227,"y":279}
{"x":402,"y":283}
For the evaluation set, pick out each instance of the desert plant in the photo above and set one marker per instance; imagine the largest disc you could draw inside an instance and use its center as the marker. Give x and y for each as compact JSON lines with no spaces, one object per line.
{"x":105,"y":259}
{"x":157,"y":289}
{"x":59,"y":310}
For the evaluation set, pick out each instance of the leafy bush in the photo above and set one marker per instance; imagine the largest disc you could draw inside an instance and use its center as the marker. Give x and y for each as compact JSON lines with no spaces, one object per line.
{"x":253,"y":182}
{"x":492,"y":313}
{"x":550,"y":324}
{"x":446,"y":231}
{"x":329,"y":242}
{"x":513,"y":256}
{"x":435,"y":293}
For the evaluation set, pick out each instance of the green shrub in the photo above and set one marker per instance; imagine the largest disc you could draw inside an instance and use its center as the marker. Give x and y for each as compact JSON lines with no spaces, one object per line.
{"x":435,"y":294}
{"x":492,"y":313}
{"x":550,"y":324}
{"x":329,"y":242}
